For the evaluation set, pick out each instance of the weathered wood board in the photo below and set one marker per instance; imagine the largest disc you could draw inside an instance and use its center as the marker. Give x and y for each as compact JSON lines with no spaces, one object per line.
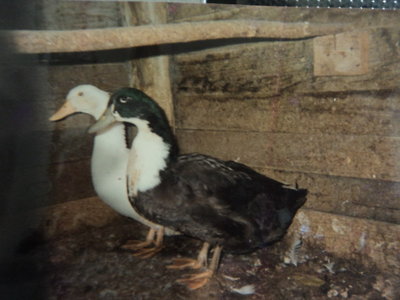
{"x":360,"y":18}
{"x":70,"y":181}
{"x":366,"y":113}
{"x":351,"y":156}
{"x":62,"y":15}
{"x":266,"y":69}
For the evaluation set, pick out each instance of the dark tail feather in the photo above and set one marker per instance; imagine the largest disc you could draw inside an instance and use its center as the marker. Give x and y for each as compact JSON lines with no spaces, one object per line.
{"x":295,"y":198}
{"x":274,"y":216}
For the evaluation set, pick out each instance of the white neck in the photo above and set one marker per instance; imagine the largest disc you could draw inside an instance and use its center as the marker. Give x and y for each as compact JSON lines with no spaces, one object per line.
{"x":146,"y":159}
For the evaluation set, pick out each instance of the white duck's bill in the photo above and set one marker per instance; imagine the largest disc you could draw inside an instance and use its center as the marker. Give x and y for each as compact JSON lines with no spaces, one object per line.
{"x":105,"y":121}
{"x":64,"y":111}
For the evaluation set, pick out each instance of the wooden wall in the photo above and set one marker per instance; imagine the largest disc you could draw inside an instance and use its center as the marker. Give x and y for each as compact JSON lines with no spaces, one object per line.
{"x":261,"y":102}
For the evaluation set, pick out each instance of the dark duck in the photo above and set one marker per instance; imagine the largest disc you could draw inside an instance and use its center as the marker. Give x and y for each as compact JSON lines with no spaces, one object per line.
{"x":225,"y":204}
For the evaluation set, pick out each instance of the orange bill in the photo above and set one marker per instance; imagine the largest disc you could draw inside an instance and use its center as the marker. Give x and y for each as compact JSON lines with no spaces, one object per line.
{"x":64,"y":111}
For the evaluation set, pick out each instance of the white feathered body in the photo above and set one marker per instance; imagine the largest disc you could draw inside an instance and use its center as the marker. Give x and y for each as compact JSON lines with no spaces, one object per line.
{"x":108,"y":167}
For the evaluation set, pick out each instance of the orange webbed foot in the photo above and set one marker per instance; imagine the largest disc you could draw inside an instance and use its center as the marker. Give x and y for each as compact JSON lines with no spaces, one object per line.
{"x":148,"y":248}
{"x":147,"y":252}
{"x":185,"y":263}
{"x":196,"y":281}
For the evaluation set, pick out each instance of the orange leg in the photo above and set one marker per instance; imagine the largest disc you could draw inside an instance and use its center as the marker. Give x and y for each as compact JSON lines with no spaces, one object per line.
{"x":200,"y":262}
{"x":196,"y":281}
{"x":148,"y":248}
{"x":135,"y":245}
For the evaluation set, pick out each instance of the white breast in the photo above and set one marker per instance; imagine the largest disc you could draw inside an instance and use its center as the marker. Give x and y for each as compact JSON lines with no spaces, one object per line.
{"x":109,"y":167}
{"x":149,"y":157}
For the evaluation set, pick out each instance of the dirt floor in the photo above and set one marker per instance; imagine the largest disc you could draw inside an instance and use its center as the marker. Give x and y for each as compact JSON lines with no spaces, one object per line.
{"x":91,"y":265}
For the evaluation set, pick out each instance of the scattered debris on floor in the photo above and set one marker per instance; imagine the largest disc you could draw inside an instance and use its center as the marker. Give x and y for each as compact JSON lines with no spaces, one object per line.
{"x":91,"y":265}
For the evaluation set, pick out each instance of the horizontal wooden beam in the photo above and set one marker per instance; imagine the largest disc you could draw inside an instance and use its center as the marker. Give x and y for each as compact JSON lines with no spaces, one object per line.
{"x":51,"y":41}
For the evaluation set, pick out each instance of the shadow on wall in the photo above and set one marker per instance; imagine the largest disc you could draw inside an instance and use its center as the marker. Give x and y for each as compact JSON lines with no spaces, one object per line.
{"x":19,"y":157}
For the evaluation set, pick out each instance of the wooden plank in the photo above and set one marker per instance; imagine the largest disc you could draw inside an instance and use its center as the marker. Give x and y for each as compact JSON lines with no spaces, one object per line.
{"x":70,"y":181}
{"x":371,"y":157}
{"x":266,"y":69}
{"x":341,"y":54}
{"x":49,"y":167}
{"x":48,"y":184}
{"x":354,"y":197}
{"x":54,"y":220}
{"x":24,"y":150}
{"x":349,"y":114}
{"x":30,"y":187}
{"x":38,"y":148}
{"x":71,"y":144}
{"x":78,"y":15}
{"x":260,"y":70}
{"x":74,"y":216}
{"x":361,"y":18}
{"x":383,"y":67}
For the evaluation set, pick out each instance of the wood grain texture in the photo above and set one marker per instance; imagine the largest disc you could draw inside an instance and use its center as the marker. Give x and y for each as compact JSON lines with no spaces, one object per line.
{"x":71,"y":144}
{"x":65,"y":218}
{"x":70,"y":181}
{"x":62,"y":15}
{"x":341,"y":54}
{"x":383,"y":67}
{"x":371,"y":157}
{"x":267,"y":69}
{"x":260,"y":69}
{"x":151,"y":72}
{"x":40,"y":41}
{"x":359,"y":18}
{"x":349,"y":114}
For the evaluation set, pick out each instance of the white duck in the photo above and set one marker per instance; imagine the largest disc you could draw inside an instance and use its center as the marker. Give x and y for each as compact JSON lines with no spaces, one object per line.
{"x":109,"y":163}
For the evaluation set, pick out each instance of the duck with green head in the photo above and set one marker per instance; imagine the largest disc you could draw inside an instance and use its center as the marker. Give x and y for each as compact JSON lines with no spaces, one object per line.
{"x":225,"y":204}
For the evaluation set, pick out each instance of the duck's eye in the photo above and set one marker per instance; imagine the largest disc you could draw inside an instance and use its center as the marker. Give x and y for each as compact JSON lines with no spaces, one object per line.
{"x":123,"y":99}
{"x":80,"y":94}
